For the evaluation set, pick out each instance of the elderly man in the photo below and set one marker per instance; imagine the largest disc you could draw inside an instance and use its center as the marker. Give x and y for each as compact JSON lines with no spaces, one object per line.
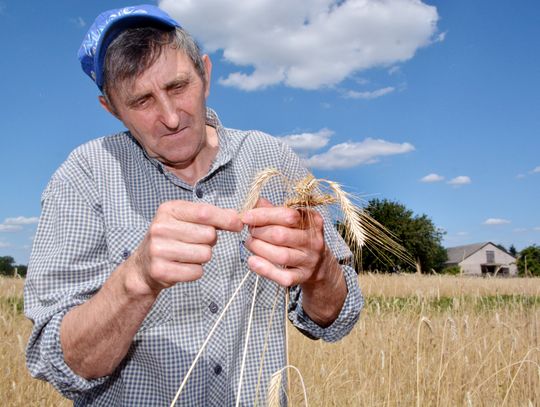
{"x":140,"y":243}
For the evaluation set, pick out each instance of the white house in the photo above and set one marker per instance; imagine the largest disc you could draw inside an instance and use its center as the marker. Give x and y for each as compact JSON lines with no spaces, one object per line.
{"x":481,"y":259}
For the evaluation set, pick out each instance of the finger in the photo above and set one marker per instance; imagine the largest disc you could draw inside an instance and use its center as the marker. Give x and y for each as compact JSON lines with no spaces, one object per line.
{"x":184,"y":232}
{"x":272,"y":216}
{"x":281,"y":236}
{"x":284,"y":277}
{"x":181,"y":252}
{"x":169,"y":273}
{"x":204,"y":214}
{"x":283,"y":256}
{"x":311,"y":219}
{"x":264,"y":203}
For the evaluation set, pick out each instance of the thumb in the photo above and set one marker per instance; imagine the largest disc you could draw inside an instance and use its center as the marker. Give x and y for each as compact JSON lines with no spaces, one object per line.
{"x":264,"y":203}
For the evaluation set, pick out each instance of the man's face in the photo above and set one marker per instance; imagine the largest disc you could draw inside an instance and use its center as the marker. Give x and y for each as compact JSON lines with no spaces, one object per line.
{"x":165,"y":108}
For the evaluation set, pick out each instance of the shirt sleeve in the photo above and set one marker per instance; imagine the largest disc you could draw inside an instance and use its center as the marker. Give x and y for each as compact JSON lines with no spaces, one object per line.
{"x":344,"y":323}
{"x":350,"y":311}
{"x":68,"y":264}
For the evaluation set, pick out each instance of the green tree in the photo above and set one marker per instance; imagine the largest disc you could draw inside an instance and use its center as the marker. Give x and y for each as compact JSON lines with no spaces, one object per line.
{"x":416,"y":233}
{"x":529,"y":258}
{"x":512,"y":250}
{"x":6,"y":265}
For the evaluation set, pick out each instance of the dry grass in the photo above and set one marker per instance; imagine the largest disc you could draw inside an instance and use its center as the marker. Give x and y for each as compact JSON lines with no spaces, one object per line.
{"x":422,"y":340}
{"x":17,"y":388}
{"x":431,"y":341}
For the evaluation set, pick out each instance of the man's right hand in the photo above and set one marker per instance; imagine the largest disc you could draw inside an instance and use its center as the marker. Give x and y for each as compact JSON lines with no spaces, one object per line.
{"x":96,"y":335}
{"x":178,"y":242}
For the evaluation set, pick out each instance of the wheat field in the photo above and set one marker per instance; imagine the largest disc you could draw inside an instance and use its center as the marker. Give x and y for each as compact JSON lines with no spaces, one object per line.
{"x":421,"y":341}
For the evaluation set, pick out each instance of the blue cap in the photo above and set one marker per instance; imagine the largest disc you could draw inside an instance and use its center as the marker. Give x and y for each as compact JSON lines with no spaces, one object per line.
{"x":109,"y":25}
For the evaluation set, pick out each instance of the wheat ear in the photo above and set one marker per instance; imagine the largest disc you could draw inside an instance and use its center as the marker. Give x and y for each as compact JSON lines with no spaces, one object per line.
{"x":276,"y":384}
{"x":257,"y":185}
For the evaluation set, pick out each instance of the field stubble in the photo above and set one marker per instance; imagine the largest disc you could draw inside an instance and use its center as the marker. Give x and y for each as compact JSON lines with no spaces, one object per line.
{"x":421,"y":341}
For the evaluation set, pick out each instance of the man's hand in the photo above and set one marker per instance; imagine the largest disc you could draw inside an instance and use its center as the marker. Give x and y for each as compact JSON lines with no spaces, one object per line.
{"x":96,"y":335}
{"x":288,"y":244}
{"x":178,"y":242}
{"x":289,"y":248}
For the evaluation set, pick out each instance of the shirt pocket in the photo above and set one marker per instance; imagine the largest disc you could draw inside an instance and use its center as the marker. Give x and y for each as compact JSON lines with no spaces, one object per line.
{"x":122,"y":242}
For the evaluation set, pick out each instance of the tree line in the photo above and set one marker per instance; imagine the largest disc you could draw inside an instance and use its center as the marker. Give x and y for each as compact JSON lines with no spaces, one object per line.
{"x":10,"y":269}
{"x":423,"y":242}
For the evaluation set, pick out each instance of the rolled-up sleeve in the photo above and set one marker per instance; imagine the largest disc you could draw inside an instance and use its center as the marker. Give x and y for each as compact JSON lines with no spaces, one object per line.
{"x":69,"y":263}
{"x":344,"y":323}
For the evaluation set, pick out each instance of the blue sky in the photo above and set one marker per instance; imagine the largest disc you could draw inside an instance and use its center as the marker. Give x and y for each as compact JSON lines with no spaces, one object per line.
{"x":375,"y":95}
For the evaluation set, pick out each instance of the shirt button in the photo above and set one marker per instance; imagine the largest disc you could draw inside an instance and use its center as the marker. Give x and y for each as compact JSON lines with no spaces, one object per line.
{"x":218,"y":369}
{"x":125,"y":254}
{"x":213,"y":307}
{"x":199,"y":192}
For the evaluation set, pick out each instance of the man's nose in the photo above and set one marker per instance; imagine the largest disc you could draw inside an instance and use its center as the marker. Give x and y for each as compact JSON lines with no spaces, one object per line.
{"x":168,"y":114}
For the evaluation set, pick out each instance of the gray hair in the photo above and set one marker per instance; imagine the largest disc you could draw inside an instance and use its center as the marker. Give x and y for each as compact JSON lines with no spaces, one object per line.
{"x":137,"y":49}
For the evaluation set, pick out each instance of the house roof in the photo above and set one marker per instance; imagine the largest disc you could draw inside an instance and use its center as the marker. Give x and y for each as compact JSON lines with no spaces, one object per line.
{"x":459,"y":253}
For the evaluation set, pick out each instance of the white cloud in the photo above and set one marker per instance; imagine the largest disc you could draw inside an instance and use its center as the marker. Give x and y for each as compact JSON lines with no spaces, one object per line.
{"x":462,"y":233}
{"x":361,"y":81}
{"x":304,"y":142}
{"x":352,"y":154}
{"x":16,"y":224}
{"x":4,"y":244}
{"x":536,"y":170}
{"x":367,"y":95}
{"x":21,"y":220}
{"x":306,"y":44}
{"x":461,"y":180}
{"x":9,"y":228}
{"x":496,"y":221}
{"x":79,"y":22}
{"x":537,"y":228}
{"x":519,"y":230}
{"x":441,"y":37}
{"x":432,"y":178}
{"x":394,"y":70}
{"x":520,"y":176}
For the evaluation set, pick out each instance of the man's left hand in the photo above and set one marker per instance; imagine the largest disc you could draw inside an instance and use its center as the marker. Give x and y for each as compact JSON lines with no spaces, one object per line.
{"x":288,"y":244}
{"x":288,"y":247}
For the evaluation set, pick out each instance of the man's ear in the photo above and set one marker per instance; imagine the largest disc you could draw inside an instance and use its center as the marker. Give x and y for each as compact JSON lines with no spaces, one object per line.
{"x":107,"y":106}
{"x":208,"y":73}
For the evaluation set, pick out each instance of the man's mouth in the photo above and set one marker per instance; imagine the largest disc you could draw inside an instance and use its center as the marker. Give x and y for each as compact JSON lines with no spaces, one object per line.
{"x":179,"y":131}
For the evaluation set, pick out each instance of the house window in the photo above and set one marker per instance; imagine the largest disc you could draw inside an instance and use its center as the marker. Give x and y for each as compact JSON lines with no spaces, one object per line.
{"x":490,"y":256}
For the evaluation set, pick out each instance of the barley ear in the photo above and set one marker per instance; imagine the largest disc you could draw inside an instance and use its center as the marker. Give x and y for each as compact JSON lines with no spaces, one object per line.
{"x":257,"y":185}
{"x":274,"y":389}
{"x":355,"y":232}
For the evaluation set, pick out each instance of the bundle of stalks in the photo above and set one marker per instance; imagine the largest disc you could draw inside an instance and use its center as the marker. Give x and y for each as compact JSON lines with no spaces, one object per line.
{"x":358,"y":228}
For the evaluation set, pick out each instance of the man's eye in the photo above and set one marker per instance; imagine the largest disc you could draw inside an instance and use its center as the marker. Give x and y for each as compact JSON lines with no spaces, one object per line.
{"x":178,"y":88}
{"x":141,"y":102}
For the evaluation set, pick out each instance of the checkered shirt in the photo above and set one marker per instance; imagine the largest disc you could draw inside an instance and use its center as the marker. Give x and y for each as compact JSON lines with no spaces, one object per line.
{"x":95,"y":212}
